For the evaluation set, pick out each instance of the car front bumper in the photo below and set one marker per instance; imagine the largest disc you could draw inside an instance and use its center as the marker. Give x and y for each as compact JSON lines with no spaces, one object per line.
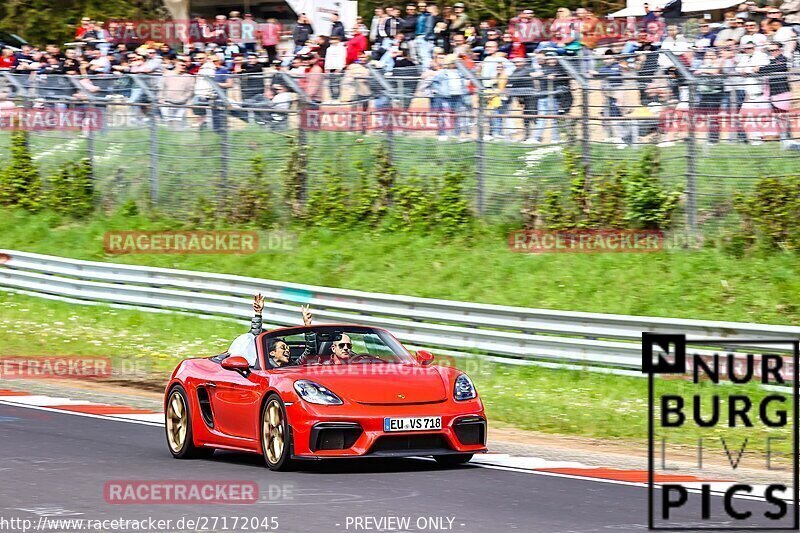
{"x":354,"y":430}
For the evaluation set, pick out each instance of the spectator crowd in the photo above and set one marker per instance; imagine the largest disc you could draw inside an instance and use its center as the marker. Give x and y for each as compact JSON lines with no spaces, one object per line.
{"x":451,"y":62}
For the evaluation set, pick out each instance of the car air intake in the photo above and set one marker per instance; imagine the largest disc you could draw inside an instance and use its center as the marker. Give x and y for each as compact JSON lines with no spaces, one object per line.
{"x":406,"y":443}
{"x":334,"y":436}
{"x":471,"y":430}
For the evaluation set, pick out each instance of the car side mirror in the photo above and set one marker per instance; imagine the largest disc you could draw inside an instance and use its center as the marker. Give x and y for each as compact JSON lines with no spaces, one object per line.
{"x":238,"y":364}
{"x":424,"y":357}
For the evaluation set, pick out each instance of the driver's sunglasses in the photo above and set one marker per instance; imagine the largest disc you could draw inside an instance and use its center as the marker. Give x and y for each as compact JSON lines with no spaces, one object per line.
{"x":345,"y":346}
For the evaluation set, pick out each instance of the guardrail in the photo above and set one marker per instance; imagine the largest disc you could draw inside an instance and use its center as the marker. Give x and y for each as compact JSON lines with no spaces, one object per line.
{"x":512,"y":332}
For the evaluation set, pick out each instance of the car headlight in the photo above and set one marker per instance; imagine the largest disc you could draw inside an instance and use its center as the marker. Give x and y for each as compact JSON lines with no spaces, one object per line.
{"x":464,"y":389}
{"x":315,"y":393}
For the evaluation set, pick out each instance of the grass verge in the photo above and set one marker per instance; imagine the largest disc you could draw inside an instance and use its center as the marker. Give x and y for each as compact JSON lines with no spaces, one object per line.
{"x":702,"y":284}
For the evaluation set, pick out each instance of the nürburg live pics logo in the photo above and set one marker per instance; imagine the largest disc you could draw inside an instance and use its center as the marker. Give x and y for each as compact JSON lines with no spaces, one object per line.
{"x":722,"y":433}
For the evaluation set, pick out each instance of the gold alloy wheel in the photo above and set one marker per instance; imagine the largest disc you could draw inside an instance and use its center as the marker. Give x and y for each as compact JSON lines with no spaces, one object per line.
{"x":177,"y":422}
{"x":272,"y":434}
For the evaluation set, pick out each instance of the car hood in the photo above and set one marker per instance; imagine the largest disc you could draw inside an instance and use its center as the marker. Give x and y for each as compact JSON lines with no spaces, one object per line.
{"x":380,"y":384}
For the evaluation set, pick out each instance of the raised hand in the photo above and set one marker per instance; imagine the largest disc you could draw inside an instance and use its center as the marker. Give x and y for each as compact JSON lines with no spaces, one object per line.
{"x":306,"y":315}
{"x":258,"y":303}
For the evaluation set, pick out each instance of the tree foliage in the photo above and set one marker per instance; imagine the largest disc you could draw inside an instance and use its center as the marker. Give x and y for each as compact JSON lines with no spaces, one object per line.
{"x":48,"y":21}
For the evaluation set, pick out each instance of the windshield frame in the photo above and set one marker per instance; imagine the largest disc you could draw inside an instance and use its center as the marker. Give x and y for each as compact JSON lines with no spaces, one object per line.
{"x":400,"y":351}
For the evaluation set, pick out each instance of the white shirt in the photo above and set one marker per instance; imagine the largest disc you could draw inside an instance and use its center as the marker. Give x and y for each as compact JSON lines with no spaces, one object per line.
{"x":758,"y":39}
{"x":678,"y":45}
{"x":336,"y":57}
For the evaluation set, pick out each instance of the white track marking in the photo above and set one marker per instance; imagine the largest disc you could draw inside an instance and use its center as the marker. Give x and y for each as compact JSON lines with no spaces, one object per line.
{"x":492,"y":461}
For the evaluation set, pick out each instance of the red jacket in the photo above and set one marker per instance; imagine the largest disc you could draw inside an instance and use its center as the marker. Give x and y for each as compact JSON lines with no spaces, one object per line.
{"x":355,"y":47}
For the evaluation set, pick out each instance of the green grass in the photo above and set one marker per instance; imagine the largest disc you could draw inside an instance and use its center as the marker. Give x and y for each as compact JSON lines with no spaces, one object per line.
{"x":701,"y":284}
{"x":565,"y":402}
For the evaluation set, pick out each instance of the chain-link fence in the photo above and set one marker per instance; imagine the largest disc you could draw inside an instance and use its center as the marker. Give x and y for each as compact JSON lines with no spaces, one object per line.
{"x":720,"y":121}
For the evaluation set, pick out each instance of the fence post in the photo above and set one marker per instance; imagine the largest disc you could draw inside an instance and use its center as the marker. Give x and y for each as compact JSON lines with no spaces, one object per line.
{"x":303,"y":104}
{"x":691,"y":165}
{"x":223,"y":108}
{"x":480,"y":147}
{"x":480,"y":155}
{"x":691,"y":145}
{"x":153,"y":152}
{"x":586,"y":147}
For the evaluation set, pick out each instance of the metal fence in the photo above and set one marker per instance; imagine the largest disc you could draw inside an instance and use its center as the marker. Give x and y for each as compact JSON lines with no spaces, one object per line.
{"x":513,"y":333}
{"x":720,"y":121}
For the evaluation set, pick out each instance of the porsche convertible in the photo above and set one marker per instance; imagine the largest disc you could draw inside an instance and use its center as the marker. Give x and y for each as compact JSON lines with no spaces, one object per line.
{"x":323,"y":392}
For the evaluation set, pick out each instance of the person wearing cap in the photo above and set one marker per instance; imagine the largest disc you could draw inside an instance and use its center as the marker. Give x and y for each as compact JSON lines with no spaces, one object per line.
{"x":459,"y":19}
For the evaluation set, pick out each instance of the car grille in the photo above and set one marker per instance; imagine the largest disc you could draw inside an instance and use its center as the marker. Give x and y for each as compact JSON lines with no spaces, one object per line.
{"x":409,"y":443}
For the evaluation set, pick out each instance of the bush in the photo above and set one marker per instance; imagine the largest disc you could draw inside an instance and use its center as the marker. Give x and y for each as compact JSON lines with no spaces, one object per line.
{"x":252,"y":206}
{"x":769,"y":215}
{"x":649,"y":205}
{"x":20,"y":183}
{"x":618,"y":198}
{"x":454,"y":215}
{"x":71,"y":190}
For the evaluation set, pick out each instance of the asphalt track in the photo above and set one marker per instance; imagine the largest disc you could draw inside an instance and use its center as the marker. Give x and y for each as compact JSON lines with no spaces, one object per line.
{"x":57,"y":465}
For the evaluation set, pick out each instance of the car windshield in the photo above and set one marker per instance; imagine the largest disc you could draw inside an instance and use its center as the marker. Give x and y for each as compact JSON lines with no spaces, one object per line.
{"x":317,"y":345}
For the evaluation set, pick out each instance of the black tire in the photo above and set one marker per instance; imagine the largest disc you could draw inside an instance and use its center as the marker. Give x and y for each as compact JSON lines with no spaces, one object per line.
{"x":181,"y":444}
{"x":454,"y":459}
{"x":274,"y":430}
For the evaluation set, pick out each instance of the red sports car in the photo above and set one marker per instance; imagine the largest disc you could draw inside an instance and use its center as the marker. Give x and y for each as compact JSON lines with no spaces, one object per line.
{"x":323,"y":392}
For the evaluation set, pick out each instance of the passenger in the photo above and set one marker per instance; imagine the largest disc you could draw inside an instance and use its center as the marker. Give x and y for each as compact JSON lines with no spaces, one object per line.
{"x":279,"y":354}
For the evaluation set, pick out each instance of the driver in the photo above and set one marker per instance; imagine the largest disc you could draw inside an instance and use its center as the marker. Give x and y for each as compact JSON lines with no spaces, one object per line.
{"x":342,"y":350}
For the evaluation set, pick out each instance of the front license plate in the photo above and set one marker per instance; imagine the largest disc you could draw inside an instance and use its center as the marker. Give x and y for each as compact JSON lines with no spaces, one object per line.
{"x":424,"y":423}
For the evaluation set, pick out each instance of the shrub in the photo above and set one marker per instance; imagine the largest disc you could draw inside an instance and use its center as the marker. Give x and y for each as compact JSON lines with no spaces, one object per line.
{"x":649,"y":205}
{"x":20,"y":183}
{"x":252,"y":204}
{"x":71,"y":190}
{"x":769,"y":215}
{"x":454,"y":215}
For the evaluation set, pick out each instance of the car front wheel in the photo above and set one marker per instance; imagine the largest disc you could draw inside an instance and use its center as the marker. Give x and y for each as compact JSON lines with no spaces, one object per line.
{"x":276,"y":435}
